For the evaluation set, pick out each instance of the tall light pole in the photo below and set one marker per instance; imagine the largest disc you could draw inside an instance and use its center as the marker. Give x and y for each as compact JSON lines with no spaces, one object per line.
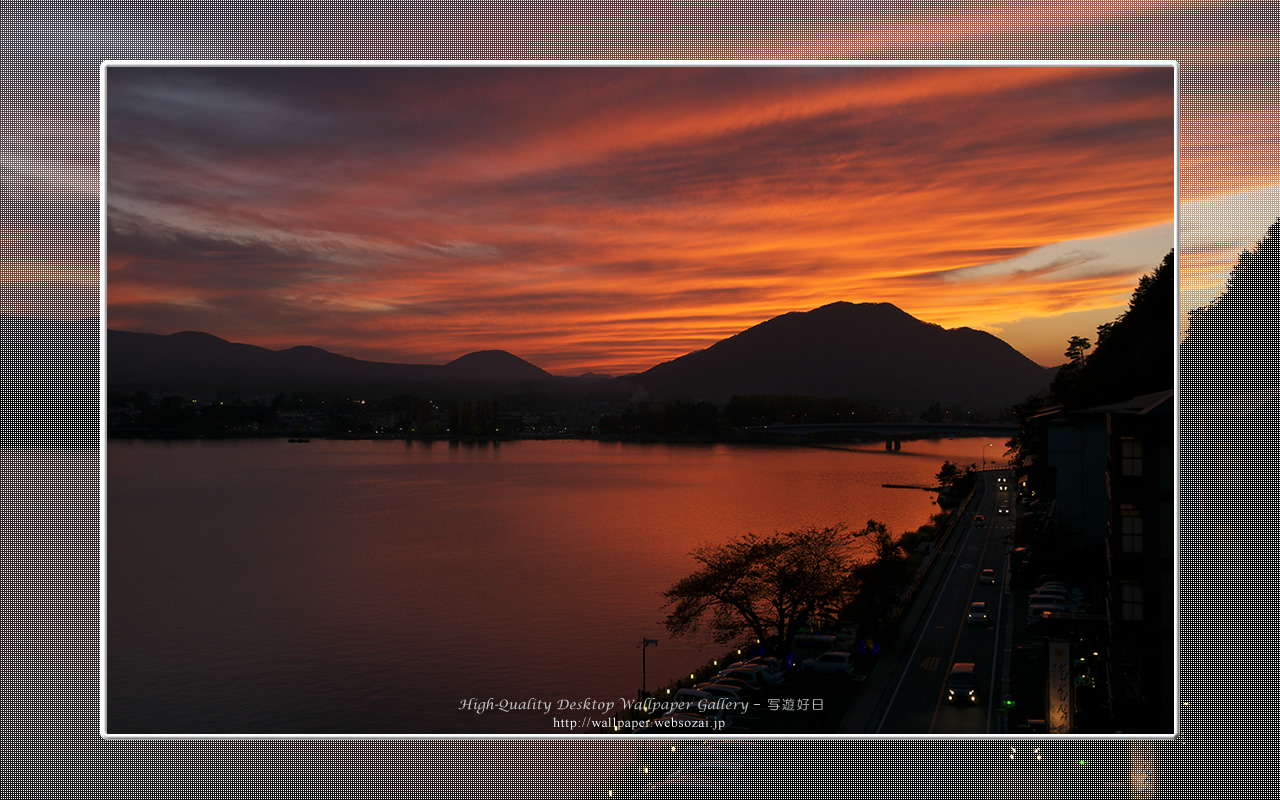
{"x":644,"y":683}
{"x":984,"y":453}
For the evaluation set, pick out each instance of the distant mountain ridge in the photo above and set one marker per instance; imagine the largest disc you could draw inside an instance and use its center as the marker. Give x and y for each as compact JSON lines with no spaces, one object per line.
{"x":874,"y":352}
{"x":192,"y":358}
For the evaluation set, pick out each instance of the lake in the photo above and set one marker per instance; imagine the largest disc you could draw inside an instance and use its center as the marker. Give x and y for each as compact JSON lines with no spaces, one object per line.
{"x":391,"y":587}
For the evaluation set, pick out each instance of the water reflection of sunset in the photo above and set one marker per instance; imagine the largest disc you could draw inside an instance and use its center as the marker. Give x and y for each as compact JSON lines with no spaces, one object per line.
{"x":609,"y":219}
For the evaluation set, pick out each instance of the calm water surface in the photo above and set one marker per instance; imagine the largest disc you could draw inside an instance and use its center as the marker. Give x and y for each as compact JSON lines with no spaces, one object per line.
{"x":376,"y":587}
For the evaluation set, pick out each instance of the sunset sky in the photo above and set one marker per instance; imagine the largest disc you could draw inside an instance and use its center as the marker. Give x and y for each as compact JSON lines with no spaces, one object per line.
{"x":607,"y":219}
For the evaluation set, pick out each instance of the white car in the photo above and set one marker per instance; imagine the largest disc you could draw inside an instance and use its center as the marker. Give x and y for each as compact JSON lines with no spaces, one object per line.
{"x":835,"y":662}
{"x":962,"y":684}
{"x":977,"y":614}
{"x":770,"y":677}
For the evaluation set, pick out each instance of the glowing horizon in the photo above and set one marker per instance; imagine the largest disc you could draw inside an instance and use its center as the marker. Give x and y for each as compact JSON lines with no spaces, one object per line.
{"x":609,"y":219}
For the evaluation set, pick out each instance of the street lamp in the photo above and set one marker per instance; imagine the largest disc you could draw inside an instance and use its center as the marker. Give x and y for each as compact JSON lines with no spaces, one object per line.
{"x":644,"y":684}
{"x":984,"y":453}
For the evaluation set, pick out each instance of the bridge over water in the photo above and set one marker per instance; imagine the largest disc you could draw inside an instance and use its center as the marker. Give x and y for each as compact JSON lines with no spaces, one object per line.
{"x":893,"y":433}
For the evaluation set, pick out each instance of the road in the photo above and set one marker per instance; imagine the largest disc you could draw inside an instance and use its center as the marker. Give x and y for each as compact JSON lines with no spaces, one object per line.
{"x":943,"y":637}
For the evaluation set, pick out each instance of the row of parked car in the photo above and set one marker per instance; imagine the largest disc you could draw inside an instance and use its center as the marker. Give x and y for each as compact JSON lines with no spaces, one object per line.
{"x":739,"y":685}
{"x":727,"y":695}
{"x":708,"y":769}
{"x":1053,"y":597}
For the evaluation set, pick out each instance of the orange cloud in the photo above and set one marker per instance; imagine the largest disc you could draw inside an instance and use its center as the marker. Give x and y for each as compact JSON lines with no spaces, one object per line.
{"x":607,"y":220}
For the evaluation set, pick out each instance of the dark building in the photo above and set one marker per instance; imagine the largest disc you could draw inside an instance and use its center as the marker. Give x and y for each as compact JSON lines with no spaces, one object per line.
{"x":1140,"y":554}
{"x":1113,"y":469}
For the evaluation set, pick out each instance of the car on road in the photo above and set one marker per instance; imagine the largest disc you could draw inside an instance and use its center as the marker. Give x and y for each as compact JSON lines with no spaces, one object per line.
{"x":979,"y":520}
{"x":962,"y":684}
{"x":987,"y":576}
{"x":836,"y":662}
{"x":977,"y":614}
{"x":1004,"y":509}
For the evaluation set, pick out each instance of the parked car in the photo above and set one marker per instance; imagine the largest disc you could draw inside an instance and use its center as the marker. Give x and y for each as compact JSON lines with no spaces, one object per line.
{"x":752,"y":678}
{"x":1056,"y":586}
{"x":837,"y":662}
{"x":1067,"y":593}
{"x":721,"y":691}
{"x":770,"y":663}
{"x":810,"y":645}
{"x":962,"y":684}
{"x":1068,"y":604}
{"x":1038,"y":613}
{"x":688,"y":699}
{"x":733,"y":683}
{"x":977,"y":614}
{"x":987,"y":576}
{"x":770,"y":677}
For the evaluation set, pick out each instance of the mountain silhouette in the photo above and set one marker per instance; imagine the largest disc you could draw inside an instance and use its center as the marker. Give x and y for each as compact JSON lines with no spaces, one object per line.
{"x":874,"y":352}
{"x":201,"y":359}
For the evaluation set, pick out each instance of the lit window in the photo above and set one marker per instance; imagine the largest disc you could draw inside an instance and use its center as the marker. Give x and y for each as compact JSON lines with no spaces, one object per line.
{"x":1130,"y":529}
{"x":1131,"y":602}
{"x":1130,"y":457}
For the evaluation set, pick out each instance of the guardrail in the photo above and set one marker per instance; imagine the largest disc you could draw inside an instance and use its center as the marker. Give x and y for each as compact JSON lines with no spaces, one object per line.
{"x":960,"y":510}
